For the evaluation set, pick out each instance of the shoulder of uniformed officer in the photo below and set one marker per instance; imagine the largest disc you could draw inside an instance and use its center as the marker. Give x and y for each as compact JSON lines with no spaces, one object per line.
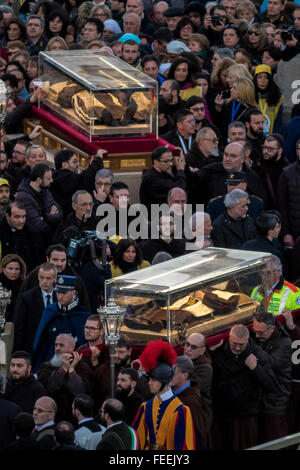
{"x":255,"y":197}
{"x":215,"y":199}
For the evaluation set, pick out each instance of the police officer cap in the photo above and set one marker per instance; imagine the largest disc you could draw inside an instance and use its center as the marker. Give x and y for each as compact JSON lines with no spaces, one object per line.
{"x":174,"y":11}
{"x":65,"y":283}
{"x":235,"y":177}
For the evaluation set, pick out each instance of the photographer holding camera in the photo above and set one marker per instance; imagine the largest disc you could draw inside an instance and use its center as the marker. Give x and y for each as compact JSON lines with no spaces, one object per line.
{"x":213,"y":25}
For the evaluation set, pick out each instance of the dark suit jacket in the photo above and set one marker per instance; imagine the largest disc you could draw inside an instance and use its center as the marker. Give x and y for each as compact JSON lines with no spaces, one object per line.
{"x":27,"y":315}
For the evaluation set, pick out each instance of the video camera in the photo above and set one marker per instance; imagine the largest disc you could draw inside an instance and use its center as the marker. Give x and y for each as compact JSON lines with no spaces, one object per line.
{"x":89,"y":247}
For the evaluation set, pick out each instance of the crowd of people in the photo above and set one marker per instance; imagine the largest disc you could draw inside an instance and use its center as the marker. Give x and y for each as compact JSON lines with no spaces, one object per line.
{"x":228,"y":111}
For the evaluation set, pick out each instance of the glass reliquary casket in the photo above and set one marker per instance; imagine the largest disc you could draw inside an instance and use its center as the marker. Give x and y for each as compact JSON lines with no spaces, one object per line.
{"x":207,"y":291}
{"x":102,"y":95}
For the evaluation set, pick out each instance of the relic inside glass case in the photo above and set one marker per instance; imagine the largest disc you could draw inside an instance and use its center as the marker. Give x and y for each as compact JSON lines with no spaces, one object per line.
{"x":100,"y":94}
{"x":206,"y":291}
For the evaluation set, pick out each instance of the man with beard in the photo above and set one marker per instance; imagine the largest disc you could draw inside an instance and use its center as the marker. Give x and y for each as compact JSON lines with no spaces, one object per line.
{"x":4,"y":196}
{"x":89,"y":432}
{"x":169,"y":90}
{"x":102,"y":373}
{"x":22,"y":387}
{"x":58,"y":256}
{"x":157,"y":182}
{"x":65,"y":376}
{"x":232,"y":229}
{"x":254,"y":122}
{"x":93,"y":333}
{"x":125,"y":392}
{"x":271,"y":166}
{"x":204,"y":150}
{"x":43,"y":213}
{"x":63,"y":316}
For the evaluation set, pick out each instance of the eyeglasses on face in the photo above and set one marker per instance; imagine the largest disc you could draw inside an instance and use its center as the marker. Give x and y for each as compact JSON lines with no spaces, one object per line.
{"x":251,"y":33}
{"x":91,"y":328}
{"x":214,"y":141}
{"x":169,"y":160}
{"x":192,"y":346}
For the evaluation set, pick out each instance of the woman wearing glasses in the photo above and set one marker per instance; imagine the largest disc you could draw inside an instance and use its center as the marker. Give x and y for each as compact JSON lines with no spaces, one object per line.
{"x":254,"y":41}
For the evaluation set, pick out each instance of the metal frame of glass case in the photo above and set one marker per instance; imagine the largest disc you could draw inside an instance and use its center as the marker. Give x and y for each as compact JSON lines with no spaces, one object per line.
{"x":99,"y":94}
{"x":206,"y":291}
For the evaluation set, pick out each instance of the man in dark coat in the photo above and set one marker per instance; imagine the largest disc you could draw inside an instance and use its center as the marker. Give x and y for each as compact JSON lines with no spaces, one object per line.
{"x":211,"y":179}
{"x":44,"y":412}
{"x":8,"y":411}
{"x":157,"y":182}
{"x":125,"y":392}
{"x":118,"y":435}
{"x":234,"y":180}
{"x":30,"y":306}
{"x":65,"y":376}
{"x":242,"y":371}
{"x":67,"y":180}
{"x":204,"y":150}
{"x":58,"y":256}
{"x":275,"y":341}
{"x":271,"y":166}
{"x":188,"y":392}
{"x":15,"y":237}
{"x":166,"y":241}
{"x":64,"y":316}
{"x":22,"y":387}
{"x":235,"y":227}
{"x":183,"y":135}
{"x":43,"y":213}
{"x":23,"y":425}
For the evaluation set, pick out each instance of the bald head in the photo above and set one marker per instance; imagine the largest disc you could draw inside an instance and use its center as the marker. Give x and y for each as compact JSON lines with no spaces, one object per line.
{"x":194,"y":345}
{"x":234,"y":157}
{"x":112,"y":411}
{"x":177,"y":199}
{"x":44,"y":411}
{"x":64,"y":344}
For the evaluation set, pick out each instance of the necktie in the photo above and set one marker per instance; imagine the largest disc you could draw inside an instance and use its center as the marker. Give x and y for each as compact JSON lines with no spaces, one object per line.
{"x":48,"y":296}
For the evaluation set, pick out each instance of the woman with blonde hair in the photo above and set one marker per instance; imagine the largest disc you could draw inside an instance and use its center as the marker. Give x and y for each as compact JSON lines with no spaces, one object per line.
{"x":57,"y":44}
{"x":238,"y":71}
{"x":101,"y":11}
{"x":242,"y":97}
{"x":218,"y":78}
{"x":12,"y":275}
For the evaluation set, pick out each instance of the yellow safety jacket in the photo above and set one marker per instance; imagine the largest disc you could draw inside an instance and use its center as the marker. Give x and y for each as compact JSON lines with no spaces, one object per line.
{"x":285,"y":295}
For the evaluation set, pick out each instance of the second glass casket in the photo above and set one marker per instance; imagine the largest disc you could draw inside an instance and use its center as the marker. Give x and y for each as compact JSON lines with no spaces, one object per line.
{"x":99,"y":94}
{"x":207,"y":291}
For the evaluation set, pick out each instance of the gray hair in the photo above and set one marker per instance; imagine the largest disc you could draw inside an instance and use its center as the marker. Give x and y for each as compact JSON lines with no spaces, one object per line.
{"x":203,"y":133}
{"x":160,"y":257}
{"x":233,"y":198}
{"x":77,"y":193}
{"x":104,"y":173}
{"x":195,"y":216}
{"x":28,"y":150}
{"x":185,"y":364}
{"x":237,"y":124}
{"x":36,"y":17}
{"x":241,"y":331}
{"x":224,"y":52}
{"x":137,"y":17}
{"x":175,"y":189}
{"x":275,"y":262}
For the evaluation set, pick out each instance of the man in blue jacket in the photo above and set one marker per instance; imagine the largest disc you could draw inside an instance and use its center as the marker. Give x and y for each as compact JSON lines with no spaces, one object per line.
{"x":64,"y":316}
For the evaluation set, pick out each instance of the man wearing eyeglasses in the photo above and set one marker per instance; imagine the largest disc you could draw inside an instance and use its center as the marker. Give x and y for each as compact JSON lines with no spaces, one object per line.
{"x":44,"y":412}
{"x":195,"y":349}
{"x":93,"y":333}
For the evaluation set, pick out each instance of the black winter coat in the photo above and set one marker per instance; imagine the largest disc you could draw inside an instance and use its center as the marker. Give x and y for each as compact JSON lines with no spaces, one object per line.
{"x":25,"y":394}
{"x":230,"y":233}
{"x":237,"y":390}
{"x":66,"y":183}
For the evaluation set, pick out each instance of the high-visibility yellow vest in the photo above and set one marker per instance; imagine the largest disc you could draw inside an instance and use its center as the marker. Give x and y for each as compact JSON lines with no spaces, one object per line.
{"x":287,"y":297}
